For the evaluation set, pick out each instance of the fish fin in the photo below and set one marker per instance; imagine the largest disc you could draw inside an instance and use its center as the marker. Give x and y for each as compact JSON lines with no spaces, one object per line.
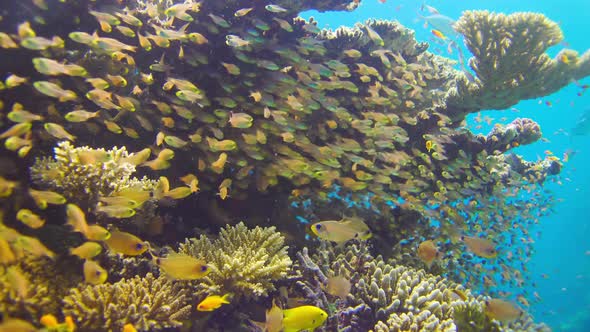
{"x":225,"y":298}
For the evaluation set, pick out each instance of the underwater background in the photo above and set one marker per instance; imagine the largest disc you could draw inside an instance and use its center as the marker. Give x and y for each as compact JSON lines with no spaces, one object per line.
{"x":560,"y":265}
{"x":235,"y":146}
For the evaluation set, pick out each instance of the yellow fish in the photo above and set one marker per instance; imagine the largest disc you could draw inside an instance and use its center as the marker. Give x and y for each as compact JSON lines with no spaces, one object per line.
{"x":116,"y":211}
{"x":178,"y":193}
{"x":274,"y":319}
{"x":240,"y":120}
{"x":213,"y":302}
{"x":13,"y":81}
{"x":342,"y":230}
{"x":17,"y":130}
{"x":76,"y":218}
{"x":119,"y":201}
{"x":7,"y":256}
{"x":80,"y":115}
{"x":49,"y":321}
{"x":6,"y":187}
{"x":58,"y":131}
{"x":93,"y":273}
{"x":87,"y":250}
{"x":42,"y":198}
{"x":55,"y":91}
{"x":33,"y":246}
{"x":126,"y":243}
{"x":16,"y":325}
{"x":19,"y":115}
{"x":129,"y":328}
{"x":429,"y":146}
{"x":97,"y":233}
{"x":301,"y":318}
{"x":17,"y":282}
{"x":29,"y":218}
{"x":181,"y":266}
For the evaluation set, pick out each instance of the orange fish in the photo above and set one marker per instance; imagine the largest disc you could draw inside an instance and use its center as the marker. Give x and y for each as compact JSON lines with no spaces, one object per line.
{"x":501,"y":310}
{"x":438,"y":34}
{"x":481,"y":247}
{"x":428,"y":252}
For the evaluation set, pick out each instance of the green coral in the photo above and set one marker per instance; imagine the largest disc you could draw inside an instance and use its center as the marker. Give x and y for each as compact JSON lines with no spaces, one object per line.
{"x":148,"y":303}
{"x":245,"y":262}
{"x":84,"y":182}
{"x":510,"y":61}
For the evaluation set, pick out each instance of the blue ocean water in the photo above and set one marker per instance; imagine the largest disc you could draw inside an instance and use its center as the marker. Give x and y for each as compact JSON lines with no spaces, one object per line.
{"x":560,"y":264}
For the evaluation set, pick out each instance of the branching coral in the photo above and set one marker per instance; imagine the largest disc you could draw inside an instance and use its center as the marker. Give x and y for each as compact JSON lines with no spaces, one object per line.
{"x":510,"y":61}
{"x":148,"y":303}
{"x":390,"y":298}
{"x":245,"y":262}
{"x":84,"y":174}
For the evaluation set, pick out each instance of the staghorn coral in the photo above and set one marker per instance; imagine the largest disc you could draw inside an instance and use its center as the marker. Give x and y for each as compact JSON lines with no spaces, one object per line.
{"x":510,"y":61}
{"x":148,"y":303}
{"x":48,"y":282}
{"x":245,"y":262}
{"x":84,"y":182}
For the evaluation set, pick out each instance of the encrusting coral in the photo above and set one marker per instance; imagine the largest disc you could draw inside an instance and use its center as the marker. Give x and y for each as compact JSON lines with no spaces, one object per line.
{"x":245,"y":262}
{"x":510,"y":61}
{"x":84,"y":174}
{"x":146,"y":302}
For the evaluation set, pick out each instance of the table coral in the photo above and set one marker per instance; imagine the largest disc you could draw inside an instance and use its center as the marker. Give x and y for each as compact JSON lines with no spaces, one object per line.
{"x":510,"y":61}
{"x":245,"y":262}
{"x":149,"y":303}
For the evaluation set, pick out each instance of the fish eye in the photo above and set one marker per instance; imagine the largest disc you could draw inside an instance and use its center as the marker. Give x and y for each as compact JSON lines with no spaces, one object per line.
{"x":204,"y":268}
{"x":139,"y":246}
{"x":98,"y":273}
{"x":318,"y":226}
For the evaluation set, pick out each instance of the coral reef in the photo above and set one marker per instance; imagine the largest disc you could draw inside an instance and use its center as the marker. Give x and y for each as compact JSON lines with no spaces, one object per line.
{"x":148,"y":303}
{"x":245,"y":262}
{"x":84,"y":174}
{"x":253,"y":107}
{"x":510,"y":61}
